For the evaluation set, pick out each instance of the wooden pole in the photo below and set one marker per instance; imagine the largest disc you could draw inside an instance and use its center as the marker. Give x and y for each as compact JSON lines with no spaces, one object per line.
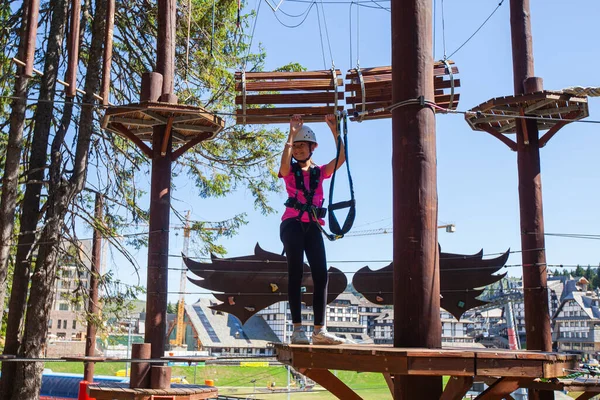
{"x":73,"y":49}
{"x":93,"y":309}
{"x":32,"y":24}
{"x":108,"y":50}
{"x":416,"y":265}
{"x":160,"y":191}
{"x":537,"y":315}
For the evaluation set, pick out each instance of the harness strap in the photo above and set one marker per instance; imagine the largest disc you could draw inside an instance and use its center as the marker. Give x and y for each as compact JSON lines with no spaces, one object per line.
{"x":334,"y":225}
{"x":315,"y":174}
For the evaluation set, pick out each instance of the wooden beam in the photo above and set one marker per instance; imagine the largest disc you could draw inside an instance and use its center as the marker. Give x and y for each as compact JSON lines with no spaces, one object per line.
{"x":500,"y":389}
{"x":331,"y":382}
{"x":129,"y":135}
{"x":165,"y":141}
{"x":554,"y":130}
{"x":389,"y":379}
{"x":586,"y":396}
{"x":457,"y":387}
{"x":507,"y":141}
{"x":179,"y":152}
{"x":156,"y":116}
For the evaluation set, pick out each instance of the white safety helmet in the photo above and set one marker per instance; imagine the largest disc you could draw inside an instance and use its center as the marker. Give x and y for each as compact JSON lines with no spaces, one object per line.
{"x":305,"y":134}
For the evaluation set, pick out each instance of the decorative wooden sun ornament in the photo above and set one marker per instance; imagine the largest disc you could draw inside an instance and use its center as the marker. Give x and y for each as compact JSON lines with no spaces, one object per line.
{"x":273,"y":97}
{"x":500,"y":116}
{"x":188,"y":125}
{"x":369,"y":90}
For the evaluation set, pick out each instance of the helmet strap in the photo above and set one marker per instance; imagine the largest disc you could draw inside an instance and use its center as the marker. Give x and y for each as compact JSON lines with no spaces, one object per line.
{"x":303,"y":161}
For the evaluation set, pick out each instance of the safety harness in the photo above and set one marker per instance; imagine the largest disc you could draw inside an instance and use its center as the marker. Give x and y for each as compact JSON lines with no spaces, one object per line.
{"x":308,"y":207}
{"x":314,"y":212}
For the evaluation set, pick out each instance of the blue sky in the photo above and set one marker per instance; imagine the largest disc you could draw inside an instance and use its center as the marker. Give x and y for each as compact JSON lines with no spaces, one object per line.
{"x":477,"y":174}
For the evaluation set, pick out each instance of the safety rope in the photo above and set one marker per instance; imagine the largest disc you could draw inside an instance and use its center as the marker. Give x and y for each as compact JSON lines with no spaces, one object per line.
{"x":334,"y":225}
{"x":585,"y":91}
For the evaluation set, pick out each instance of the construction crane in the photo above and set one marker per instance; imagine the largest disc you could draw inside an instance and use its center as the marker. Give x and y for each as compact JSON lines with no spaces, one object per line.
{"x":180,"y":329}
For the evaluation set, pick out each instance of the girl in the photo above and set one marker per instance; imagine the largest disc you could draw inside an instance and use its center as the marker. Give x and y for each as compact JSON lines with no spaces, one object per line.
{"x":299,"y":231}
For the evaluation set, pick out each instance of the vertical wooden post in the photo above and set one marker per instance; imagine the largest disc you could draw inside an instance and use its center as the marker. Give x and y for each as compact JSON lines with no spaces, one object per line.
{"x":90,"y":340}
{"x":108,"y":50}
{"x":416,"y":265}
{"x":140,"y":371}
{"x":165,"y":61}
{"x":73,"y":49}
{"x":160,"y":191}
{"x":32,"y":25}
{"x":537,"y":315}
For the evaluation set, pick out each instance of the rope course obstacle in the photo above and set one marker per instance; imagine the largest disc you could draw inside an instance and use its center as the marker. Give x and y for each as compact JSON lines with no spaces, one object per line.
{"x":369,"y":90}
{"x":311,"y":94}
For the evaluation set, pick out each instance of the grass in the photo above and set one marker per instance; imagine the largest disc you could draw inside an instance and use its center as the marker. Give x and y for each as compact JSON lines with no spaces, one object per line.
{"x":236,"y":381}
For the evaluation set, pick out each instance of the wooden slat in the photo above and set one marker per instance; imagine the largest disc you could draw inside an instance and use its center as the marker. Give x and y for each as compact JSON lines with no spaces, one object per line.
{"x":308,"y":84}
{"x":291,"y":98}
{"x":387,"y":69}
{"x":285,"y":75}
{"x":457,"y":387}
{"x":357,"y":100}
{"x":289,"y":111}
{"x":386,"y":86}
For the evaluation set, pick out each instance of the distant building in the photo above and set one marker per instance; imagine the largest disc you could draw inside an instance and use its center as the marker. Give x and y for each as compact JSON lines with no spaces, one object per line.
{"x":67,"y":320}
{"x":577,"y":324}
{"x":368,"y":312}
{"x":222,"y":334}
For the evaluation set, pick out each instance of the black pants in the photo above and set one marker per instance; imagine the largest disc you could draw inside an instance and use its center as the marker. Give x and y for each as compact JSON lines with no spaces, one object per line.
{"x":299,"y":238}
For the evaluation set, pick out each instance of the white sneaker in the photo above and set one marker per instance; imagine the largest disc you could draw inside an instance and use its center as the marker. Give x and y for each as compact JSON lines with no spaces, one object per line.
{"x":299,"y":337}
{"x":326,"y":338}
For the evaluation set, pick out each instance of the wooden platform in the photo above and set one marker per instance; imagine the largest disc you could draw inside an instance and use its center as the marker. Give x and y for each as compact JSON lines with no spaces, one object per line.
{"x":121,"y":391}
{"x":499,"y":116}
{"x":509,"y":370}
{"x":185,"y":122}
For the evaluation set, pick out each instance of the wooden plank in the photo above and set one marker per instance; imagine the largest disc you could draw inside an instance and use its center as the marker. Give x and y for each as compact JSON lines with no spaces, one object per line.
{"x":441,"y":366}
{"x":510,"y":368}
{"x":330,"y":382}
{"x":457,"y":387}
{"x":500,"y":389}
{"x":195,"y":128}
{"x":291,"y":98}
{"x":323,"y":74}
{"x":289,"y":111}
{"x":309,"y":84}
{"x":354,"y":362}
{"x":357,"y":100}
{"x":388,"y":69}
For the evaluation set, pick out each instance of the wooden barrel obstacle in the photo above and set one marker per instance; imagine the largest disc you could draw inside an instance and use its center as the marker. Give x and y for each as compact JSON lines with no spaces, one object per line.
{"x":552,"y":109}
{"x":369,"y":90}
{"x":312,"y":94}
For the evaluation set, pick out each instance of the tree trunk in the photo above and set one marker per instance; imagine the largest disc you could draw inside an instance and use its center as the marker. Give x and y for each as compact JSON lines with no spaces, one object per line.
{"x":31,"y":201}
{"x":14,"y":146}
{"x":61,"y":192}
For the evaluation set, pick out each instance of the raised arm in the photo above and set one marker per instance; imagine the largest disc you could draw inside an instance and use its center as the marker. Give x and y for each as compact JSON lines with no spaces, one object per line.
{"x":331,"y":166}
{"x":286,"y":157}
